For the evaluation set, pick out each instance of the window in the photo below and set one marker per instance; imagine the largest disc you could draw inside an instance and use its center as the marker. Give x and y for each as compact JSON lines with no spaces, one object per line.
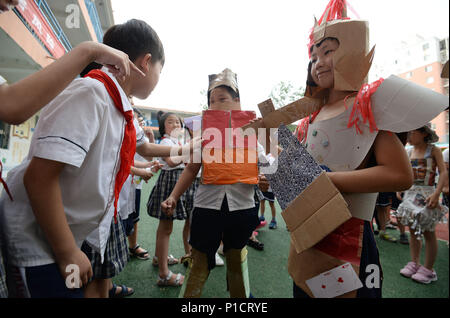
{"x":428,"y":68}
{"x":442,"y":45}
{"x":430,"y":80}
{"x":426,"y":57}
{"x":4,"y":135}
{"x":409,"y":75}
{"x":426,"y":46}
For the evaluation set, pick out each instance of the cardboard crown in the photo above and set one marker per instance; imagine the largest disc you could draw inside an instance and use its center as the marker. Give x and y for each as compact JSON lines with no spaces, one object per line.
{"x":227,"y":77}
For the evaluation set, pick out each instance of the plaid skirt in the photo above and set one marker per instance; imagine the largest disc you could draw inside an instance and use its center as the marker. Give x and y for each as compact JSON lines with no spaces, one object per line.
{"x":116,"y":253}
{"x":161,"y":191}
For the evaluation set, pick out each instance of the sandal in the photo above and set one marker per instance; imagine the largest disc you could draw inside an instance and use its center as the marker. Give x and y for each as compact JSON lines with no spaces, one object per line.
{"x":126,"y":291}
{"x":255,"y":244}
{"x":168,"y":280}
{"x":141,"y":255}
{"x":170,"y":260}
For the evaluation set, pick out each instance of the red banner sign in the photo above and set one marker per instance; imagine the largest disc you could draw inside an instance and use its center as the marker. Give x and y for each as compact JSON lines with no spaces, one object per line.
{"x":37,"y":21}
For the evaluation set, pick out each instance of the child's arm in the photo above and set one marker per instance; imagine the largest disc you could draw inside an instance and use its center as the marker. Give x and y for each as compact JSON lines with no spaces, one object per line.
{"x":21,"y":100}
{"x":185,"y":180}
{"x":41,"y":182}
{"x":173,"y":161}
{"x":148,"y":149}
{"x":392,"y":173}
{"x":141,"y":172}
{"x":433,"y":200}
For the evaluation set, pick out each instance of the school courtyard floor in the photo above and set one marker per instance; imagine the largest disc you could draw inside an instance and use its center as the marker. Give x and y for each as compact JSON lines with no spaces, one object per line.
{"x":268,"y":269}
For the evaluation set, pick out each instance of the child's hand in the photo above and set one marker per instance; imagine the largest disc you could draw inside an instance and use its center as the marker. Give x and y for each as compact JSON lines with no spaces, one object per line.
{"x":82,"y":264}
{"x":150,"y":135}
{"x":194,"y":146}
{"x":432,"y":200}
{"x":168,"y":206}
{"x":155,"y":166}
{"x":147,"y":174}
{"x":263,"y":183}
{"x":116,"y":61}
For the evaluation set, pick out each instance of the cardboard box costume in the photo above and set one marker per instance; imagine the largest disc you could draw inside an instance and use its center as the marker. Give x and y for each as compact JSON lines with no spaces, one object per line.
{"x":341,"y":143}
{"x":228,"y":157}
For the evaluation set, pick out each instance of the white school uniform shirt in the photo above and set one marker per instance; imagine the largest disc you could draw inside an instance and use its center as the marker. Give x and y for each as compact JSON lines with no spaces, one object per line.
{"x":445,"y":155}
{"x":127,"y":195}
{"x":138,"y":181}
{"x":240,"y":196}
{"x":82,"y":128}
{"x":169,"y":141}
{"x":2,"y":80}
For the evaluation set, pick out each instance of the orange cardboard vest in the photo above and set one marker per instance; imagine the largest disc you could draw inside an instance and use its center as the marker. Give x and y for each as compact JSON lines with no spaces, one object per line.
{"x":229,"y":155}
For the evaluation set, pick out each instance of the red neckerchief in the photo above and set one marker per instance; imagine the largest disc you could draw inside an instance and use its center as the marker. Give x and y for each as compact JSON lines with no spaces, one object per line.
{"x":128,"y":148}
{"x":4,"y":183}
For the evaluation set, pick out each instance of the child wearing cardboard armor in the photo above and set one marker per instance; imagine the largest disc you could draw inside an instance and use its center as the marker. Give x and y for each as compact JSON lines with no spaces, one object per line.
{"x":221,"y":211}
{"x":353,"y":142}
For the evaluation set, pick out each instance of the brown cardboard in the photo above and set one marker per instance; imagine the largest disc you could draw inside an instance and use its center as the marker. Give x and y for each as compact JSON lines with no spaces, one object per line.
{"x":315,"y":213}
{"x":352,"y":59}
{"x":310,"y":263}
{"x":285,"y":115}
{"x":266,"y":107}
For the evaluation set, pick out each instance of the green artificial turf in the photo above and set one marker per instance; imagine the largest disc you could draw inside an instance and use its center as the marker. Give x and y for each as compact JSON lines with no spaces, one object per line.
{"x":268,"y":269}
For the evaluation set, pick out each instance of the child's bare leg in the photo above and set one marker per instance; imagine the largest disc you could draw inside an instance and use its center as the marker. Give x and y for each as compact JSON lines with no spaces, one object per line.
{"x":186,"y":231}
{"x":262,"y":207}
{"x":132,"y":239}
{"x":431,"y":249}
{"x":401,"y":227}
{"x":162,"y":246}
{"x":381,"y":212}
{"x":415,"y":247}
{"x":272,"y":207}
{"x":98,"y":288}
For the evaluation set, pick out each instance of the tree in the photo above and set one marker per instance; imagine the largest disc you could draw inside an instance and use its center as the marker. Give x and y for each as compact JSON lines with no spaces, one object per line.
{"x":284,"y":93}
{"x":204,"y":100}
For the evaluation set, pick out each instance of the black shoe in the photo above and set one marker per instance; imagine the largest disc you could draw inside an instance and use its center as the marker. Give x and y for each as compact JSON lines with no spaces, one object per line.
{"x":255,"y":244}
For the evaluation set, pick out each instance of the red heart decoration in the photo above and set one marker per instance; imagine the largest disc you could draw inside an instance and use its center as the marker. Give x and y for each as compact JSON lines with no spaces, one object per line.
{"x":340,"y":280}
{"x":323,"y":286}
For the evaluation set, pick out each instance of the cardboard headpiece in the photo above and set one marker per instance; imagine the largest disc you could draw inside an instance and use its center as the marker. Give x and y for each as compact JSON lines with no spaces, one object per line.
{"x":227,"y":77}
{"x":352,"y":60}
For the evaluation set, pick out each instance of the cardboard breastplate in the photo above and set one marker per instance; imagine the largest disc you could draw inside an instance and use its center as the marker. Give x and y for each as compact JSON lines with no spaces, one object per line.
{"x":339,"y":148}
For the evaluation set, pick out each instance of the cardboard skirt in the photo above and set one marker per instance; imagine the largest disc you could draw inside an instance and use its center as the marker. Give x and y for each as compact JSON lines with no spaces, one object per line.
{"x":352,"y":242}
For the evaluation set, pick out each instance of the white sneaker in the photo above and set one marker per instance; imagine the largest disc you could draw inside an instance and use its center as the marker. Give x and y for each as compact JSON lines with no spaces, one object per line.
{"x":219,"y":261}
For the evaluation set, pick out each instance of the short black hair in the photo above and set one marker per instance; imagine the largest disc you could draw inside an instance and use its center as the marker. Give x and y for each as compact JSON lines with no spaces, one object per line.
{"x":231,"y":91}
{"x":90,"y":67}
{"x":135,"y":38}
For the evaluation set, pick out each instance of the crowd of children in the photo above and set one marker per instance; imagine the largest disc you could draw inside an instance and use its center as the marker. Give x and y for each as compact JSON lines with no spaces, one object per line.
{"x":72,"y":206}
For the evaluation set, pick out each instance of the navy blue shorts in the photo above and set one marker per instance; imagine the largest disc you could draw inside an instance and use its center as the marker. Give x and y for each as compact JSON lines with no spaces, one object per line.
{"x":269,"y":196}
{"x":46,"y":281}
{"x":385,"y":198}
{"x":133,"y":218}
{"x":209,"y":227}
